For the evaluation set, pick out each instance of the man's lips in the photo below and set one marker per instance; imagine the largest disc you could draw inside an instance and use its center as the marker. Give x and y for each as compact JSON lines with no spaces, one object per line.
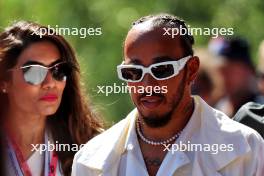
{"x":151,"y":101}
{"x":49,"y":97}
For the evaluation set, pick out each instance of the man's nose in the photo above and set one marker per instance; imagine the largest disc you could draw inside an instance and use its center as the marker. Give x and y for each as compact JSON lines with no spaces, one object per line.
{"x":148,"y":80}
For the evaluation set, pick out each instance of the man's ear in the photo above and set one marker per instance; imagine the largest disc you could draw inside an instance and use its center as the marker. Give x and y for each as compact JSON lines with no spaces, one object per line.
{"x":193,"y":68}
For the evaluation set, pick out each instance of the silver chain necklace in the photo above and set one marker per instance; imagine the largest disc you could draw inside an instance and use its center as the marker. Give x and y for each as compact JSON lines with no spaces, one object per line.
{"x":143,"y":138}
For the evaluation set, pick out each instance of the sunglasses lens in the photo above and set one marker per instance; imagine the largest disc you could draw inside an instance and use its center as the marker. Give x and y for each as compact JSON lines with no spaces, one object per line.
{"x":61,"y":71}
{"x":163,"y":71}
{"x":34,"y":74}
{"x":133,"y":74}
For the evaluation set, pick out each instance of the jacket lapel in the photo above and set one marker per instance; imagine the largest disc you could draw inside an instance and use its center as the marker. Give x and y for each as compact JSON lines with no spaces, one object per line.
{"x":105,"y":158}
{"x":215,"y":133}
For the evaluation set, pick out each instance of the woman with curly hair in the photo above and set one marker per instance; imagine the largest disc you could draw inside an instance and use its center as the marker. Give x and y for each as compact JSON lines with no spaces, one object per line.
{"x":41,"y":101}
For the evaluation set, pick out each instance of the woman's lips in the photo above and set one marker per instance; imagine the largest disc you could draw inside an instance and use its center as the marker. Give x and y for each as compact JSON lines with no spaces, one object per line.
{"x":151,"y":101}
{"x":49,"y":98}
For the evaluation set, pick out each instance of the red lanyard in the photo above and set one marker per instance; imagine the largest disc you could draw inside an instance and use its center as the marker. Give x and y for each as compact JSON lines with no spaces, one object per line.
{"x":53,"y":164}
{"x":16,"y":154}
{"x":22,"y":163}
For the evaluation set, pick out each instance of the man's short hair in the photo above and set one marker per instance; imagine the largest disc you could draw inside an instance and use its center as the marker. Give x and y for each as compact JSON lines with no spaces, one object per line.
{"x":170,"y":21}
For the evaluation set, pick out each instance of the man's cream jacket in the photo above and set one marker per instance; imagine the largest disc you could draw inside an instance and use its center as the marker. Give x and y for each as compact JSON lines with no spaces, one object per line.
{"x":101,"y":155}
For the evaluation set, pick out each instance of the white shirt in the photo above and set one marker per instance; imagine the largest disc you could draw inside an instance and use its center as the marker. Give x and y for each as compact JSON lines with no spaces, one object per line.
{"x":36,"y":163}
{"x":132,"y":162}
{"x":109,"y":154}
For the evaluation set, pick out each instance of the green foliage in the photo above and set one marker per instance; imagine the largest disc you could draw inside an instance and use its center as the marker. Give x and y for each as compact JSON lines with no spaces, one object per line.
{"x":99,"y":55}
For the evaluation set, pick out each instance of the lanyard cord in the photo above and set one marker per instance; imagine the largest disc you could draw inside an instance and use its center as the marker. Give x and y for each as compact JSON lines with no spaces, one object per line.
{"x":20,"y":165}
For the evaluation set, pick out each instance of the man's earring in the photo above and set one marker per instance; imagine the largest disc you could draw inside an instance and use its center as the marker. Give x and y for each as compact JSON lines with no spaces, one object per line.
{"x":4,"y":90}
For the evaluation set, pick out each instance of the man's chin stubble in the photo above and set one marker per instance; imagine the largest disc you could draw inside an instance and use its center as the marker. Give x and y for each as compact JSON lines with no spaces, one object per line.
{"x":156,"y":121}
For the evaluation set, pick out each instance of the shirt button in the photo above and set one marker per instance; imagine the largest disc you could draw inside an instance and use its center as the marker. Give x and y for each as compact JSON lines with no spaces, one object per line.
{"x":130,"y":147}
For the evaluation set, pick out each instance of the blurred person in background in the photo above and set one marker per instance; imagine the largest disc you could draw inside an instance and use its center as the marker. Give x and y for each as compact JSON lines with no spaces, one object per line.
{"x":252,"y":114}
{"x":203,"y":86}
{"x":239,"y":76}
{"x":208,"y":83}
{"x":41,"y":101}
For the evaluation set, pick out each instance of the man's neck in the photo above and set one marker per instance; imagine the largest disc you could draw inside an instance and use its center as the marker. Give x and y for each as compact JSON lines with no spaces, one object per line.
{"x":154,"y":155}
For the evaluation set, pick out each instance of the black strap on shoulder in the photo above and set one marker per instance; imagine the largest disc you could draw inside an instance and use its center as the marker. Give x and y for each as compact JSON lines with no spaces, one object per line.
{"x":252,"y":115}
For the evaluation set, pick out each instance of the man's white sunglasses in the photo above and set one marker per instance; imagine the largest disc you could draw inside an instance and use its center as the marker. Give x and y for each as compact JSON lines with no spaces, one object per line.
{"x":159,"y":71}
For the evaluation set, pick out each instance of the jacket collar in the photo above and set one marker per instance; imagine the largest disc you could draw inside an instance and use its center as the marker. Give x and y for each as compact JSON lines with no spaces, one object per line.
{"x":217,"y":128}
{"x":103,"y":152}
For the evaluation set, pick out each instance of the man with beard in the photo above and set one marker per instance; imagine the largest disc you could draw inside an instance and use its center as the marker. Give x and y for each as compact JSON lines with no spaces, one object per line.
{"x":144,"y":143}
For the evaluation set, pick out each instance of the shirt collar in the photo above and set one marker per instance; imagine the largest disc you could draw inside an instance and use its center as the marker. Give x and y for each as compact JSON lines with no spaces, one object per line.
{"x":131,"y":139}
